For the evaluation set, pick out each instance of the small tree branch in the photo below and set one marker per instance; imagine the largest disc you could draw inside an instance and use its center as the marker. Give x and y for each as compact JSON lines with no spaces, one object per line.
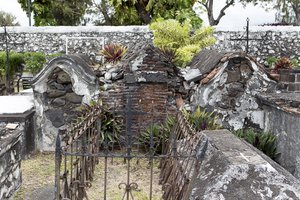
{"x":222,"y":11}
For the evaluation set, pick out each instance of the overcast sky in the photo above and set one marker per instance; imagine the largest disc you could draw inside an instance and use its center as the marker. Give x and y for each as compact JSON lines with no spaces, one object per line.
{"x":235,"y":16}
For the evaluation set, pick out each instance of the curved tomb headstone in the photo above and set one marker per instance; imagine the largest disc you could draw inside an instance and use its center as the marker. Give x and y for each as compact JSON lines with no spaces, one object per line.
{"x":59,"y":89}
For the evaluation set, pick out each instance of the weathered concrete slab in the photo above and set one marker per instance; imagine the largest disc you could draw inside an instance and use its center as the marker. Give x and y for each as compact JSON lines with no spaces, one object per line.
{"x":282,"y":118}
{"x":232,"y":169}
{"x":16,"y":104}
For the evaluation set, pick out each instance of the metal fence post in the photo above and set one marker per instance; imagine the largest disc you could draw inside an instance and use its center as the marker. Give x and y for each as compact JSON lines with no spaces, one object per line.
{"x":57,"y":167}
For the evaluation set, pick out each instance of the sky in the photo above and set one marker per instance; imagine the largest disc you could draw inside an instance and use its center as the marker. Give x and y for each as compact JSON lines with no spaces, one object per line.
{"x":235,"y":16}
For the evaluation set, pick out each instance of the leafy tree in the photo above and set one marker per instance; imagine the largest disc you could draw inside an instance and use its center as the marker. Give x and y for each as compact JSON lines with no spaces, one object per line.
{"x":133,"y":12}
{"x":7,"y":19}
{"x":181,"y":38}
{"x":101,"y":13}
{"x":57,"y":12}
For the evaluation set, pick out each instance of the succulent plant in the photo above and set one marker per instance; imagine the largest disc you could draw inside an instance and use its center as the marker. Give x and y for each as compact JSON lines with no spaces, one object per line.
{"x":113,"y":53}
{"x":282,"y":63}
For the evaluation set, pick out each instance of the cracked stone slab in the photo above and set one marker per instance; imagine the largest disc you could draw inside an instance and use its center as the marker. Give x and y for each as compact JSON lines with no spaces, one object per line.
{"x":233,"y":169}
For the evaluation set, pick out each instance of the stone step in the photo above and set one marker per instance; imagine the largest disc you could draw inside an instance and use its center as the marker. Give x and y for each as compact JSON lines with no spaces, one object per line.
{"x":293,"y":87}
{"x":289,"y":87}
{"x":292,"y":76}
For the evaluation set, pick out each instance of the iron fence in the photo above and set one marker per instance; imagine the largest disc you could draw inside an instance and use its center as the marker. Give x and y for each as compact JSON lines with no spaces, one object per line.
{"x":86,"y":144}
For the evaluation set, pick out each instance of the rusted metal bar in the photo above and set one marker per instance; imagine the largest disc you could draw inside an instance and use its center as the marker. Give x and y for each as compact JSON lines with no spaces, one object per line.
{"x":57,"y":167}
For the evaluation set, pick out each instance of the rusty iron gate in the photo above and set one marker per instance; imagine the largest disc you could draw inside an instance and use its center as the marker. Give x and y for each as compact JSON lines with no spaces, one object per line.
{"x":85,"y":145}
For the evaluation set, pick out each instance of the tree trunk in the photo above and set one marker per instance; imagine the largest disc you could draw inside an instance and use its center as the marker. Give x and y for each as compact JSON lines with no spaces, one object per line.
{"x":143,"y":13}
{"x":210,"y":11}
{"x":296,"y":9}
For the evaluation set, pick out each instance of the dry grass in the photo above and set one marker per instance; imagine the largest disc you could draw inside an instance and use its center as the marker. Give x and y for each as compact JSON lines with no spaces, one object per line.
{"x":117,"y":173}
{"x":38,"y":172}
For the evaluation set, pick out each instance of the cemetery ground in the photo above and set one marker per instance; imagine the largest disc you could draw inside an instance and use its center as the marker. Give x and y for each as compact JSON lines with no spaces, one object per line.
{"x":38,"y":178}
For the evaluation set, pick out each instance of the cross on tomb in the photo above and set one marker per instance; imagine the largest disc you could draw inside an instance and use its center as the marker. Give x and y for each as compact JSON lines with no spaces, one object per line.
{"x":247,"y":39}
{"x":6,"y":37}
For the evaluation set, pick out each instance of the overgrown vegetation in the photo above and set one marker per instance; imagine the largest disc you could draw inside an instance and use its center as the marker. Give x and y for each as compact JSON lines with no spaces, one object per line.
{"x":181,"y":39}
{"x":266,"y":142}
{"x":15,"y":62}
{"x":111,"y":125}
{"x":33,"y":61}
{"x":159,"y":134}
{"x":202,"y":120}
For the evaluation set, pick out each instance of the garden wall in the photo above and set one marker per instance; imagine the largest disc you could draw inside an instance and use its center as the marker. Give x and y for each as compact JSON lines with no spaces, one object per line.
{"x":88,"y":40}
{"x":265,"y":41}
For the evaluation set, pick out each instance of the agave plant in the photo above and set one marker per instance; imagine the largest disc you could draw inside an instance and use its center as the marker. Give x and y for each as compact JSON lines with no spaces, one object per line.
{"x":159,"y":134}
{"x":264,"y":141}
{"x":282,"y":63}
{"x":113,"y":53}
{"x":169,"y":54}
{"x":202,"y":120}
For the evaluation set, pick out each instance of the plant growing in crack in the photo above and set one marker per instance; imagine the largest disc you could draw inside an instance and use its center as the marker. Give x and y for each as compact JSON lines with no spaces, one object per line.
{"x":201,"y":119}
{"x":113,"y":53}
{"x":156,"y":136}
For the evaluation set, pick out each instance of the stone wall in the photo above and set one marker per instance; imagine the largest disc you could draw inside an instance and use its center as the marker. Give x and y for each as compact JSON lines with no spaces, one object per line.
{"x":87,"y":40}
{"x":232,"y":169}
{"x":10,"y":161}
{"x":266,"y":41}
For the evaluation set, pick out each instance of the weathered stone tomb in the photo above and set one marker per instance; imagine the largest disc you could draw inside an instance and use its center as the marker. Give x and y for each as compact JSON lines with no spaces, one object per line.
{"x":61,"y":87}
{"x":228,"y":84}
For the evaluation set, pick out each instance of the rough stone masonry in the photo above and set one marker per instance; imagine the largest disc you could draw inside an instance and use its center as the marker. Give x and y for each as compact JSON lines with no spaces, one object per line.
{"x":268,"y":40}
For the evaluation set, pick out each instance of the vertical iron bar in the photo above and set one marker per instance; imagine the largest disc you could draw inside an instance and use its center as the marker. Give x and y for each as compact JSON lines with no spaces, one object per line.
{"x":71,"y":170}
{"x":7,"y":81}
{"x":247,"y":35}
{"x":129,"y":140}
{"x":151,"y":151}
{"x":105,"y":163}
{"x":57,"y":167}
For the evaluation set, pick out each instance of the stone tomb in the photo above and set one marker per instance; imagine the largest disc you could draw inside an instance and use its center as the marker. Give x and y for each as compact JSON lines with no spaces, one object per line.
{"x":59,"y":89}
{"x":19,"y":110}
{"x":10,"y":160}
{"x":229,"y":83}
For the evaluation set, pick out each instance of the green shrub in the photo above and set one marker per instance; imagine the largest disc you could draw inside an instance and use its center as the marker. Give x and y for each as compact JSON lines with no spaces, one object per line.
{"x":34,"y":61}
{"x":16,"y":60}
{"x":113,"y":53}
{"x":271,"y":61}
{"x":202,"y":120}
{"x":265,"y":142}
{"x":181,"y":38}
